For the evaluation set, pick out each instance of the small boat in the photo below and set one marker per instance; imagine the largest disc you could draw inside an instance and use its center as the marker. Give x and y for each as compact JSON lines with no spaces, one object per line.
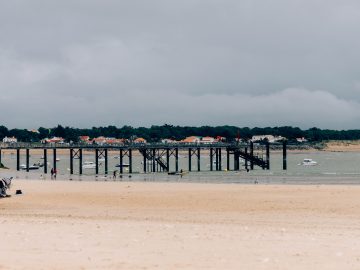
{"x":57,"y":159}
{"x":175,"y":173}
{"x":39,"y":164}
{"x":89,"y":165}
{"x":31,"y":167}
{"x":308,"y":162}
{"x":181,"y":173}
{"x":123,"y":165}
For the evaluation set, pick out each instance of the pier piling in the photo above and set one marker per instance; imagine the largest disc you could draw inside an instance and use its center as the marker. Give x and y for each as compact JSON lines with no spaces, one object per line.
{"x":284,"y":155}
{"x":18,"y":159}
{"x":45,"y":162}
{"x":27,"y":159}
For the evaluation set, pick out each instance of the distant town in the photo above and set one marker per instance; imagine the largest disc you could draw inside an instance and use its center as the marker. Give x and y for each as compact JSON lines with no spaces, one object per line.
{"x":112,"y":135}
{"x":121,"y":141}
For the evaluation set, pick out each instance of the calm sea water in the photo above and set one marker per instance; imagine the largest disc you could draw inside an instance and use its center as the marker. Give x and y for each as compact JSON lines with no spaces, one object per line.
{"x":332,"y":168}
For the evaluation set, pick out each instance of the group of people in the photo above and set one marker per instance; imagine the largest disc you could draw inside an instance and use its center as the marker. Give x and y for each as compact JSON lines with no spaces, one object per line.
{"x":53,"y":173}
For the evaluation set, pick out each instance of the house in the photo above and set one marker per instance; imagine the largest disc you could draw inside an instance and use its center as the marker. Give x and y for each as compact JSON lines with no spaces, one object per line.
{"x":301,"y":140}
{"x":114,"y":141}
{"x":53,"y":140}
{"x":100,"y":140}
{"x":9,"y":140}
{"x":139,"y":140}
{"x":191,"y":139}
{"x":208,"y":140}
{"x":84,"y":138}
{"x":168,"y":141}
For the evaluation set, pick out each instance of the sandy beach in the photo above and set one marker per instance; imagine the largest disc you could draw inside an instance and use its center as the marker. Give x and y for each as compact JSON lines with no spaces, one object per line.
{"x":126,"y":225}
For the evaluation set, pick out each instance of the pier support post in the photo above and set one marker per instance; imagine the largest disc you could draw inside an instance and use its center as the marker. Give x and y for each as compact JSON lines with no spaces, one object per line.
{"x":267,"y":155}
{"x":216,"y":159}
{"x":189,"y":159}
{"x":54,"y":159}
{"x":122,"y":162}
{"x":284,"y":155}
{"x":168,"y":160}
{"x":80,"y":161}
{"x":106,"y":162}
{"x":71,"y":161}
{"x":252,"y":155}
{"x":198,"y":159}
{"x":227,"y":159}
{"x":211,"y":159}
{"x":236,"y":161}
{"x":220,"y":161}
{"x":27,"y":159}
{"x":18,"y":159}
{"x":153,"y":160}
{"x":96,"y":161}
{"x":130,"y":161}
{"x":45,"y":161}
{"x":246,"y":160}
{"x":177,"y":159}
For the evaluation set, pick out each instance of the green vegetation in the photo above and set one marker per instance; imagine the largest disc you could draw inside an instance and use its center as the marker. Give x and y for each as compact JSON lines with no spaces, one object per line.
{"x":156,"y":133}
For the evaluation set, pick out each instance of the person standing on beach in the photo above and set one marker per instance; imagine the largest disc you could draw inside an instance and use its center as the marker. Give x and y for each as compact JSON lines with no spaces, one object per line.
{"x":52,"y":173}
{"x":114,"y":174}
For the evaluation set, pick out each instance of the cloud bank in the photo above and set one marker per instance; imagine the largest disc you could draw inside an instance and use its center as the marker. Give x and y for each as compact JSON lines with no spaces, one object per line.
{"x":245,"y":63}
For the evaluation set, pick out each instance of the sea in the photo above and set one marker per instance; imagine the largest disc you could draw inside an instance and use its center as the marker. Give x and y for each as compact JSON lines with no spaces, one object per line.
{"x":332,"y":168}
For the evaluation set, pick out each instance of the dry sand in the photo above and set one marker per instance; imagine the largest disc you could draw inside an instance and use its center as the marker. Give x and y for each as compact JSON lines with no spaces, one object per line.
{"x":343,"y":146}
{"x":113,"y":225}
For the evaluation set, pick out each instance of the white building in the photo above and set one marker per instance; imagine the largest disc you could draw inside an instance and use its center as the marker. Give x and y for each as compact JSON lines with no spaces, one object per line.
{"x":208,"y":140}
{"x":269,"y":138}
{"x":301,"y":140}
{"x":53,"y":140}
{"x":9,"y":140}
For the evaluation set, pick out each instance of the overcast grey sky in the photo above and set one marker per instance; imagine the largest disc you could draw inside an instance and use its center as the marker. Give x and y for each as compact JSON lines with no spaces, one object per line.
{"x":250,"y":63}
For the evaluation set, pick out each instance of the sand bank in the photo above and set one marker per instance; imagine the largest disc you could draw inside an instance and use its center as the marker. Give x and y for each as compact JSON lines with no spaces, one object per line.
{"x":123,"y":225}
{"x":343,"y":146}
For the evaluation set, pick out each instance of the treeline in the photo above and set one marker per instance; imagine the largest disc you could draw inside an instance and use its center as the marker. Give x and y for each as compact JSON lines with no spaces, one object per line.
{"x":156,"y":133}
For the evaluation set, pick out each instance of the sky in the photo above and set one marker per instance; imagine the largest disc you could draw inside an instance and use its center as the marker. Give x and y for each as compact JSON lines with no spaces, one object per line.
{"x":85,"y":63}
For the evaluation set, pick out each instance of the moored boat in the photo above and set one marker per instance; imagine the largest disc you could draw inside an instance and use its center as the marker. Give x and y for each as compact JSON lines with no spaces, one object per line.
{"x":308,"y":162}
{"x":89,"y":165}
{"x":31,"y":167}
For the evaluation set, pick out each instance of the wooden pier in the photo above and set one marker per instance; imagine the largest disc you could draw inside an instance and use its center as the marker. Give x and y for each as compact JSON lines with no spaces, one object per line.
{"x":157,"y":157}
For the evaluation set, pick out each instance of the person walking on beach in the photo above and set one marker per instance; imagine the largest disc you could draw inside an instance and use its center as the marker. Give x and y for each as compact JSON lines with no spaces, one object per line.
{"x":52,"y":173}
{"x":114,"y":174}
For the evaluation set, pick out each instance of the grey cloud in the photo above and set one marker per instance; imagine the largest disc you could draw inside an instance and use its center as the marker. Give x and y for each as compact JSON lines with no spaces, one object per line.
{"x":182,"y":62}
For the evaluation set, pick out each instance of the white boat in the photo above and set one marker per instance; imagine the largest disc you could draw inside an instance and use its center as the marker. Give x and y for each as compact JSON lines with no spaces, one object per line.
{"x":31,"y":167}
{"x":89,"y":165}
{"x":308,"y":162}
{"x":123,"y":165}
{"x":57,"y":159}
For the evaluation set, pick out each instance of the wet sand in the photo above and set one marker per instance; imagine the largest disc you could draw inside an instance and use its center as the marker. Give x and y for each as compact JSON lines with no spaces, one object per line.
{"x":126,"y":225}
